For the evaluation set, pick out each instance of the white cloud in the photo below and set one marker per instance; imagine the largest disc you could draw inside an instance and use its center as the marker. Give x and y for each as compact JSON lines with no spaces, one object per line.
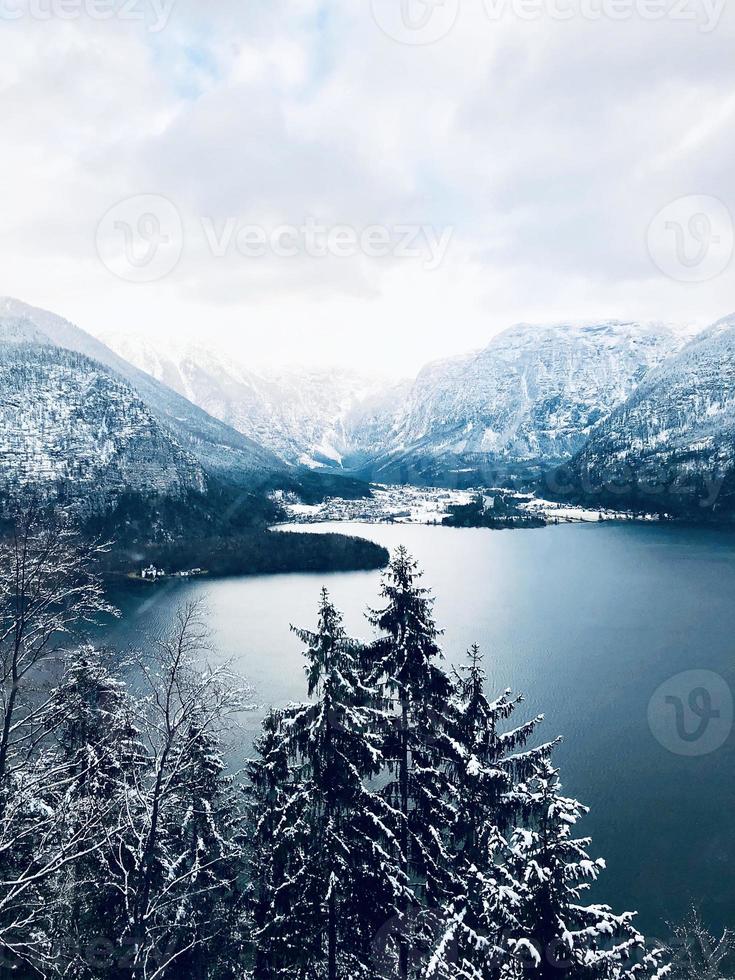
{"x":547,"y":146}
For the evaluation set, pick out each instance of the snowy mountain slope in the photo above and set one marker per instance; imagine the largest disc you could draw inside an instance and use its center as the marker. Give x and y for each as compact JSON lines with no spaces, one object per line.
{"x":69,"y":426}
{"x":220,"y":449}
{"x":531,"y":396}
{"x":309,"y":417}
{"x":671,"y":445}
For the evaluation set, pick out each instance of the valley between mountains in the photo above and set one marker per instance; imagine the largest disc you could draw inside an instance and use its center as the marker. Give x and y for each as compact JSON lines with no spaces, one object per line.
{"x":185,"y":458}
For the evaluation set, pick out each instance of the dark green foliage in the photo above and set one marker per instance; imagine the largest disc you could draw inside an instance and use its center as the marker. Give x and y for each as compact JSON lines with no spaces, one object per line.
{"x":503,"y":514}
{"x":330,"y":832}
{"x":557,"y":937}
{"x":266,"y":552}
{"x":405,"y":661}
{"x":313,"y":487}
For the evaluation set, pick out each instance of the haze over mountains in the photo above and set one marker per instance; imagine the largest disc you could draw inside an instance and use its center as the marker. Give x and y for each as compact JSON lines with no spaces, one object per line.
{"x":310,"y":417}
{"x":135,"y":463}
{"x":530,"y":398}
{"x":604,"y":399}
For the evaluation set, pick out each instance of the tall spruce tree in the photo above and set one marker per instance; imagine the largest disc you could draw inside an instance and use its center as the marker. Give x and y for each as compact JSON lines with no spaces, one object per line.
{"x":405,"y":662}
{"x":275,"y":812}
{"x":206,"y":836}
{"x":489,"y":761}
{"x":286,"y":880}
{"x":322,"y":869}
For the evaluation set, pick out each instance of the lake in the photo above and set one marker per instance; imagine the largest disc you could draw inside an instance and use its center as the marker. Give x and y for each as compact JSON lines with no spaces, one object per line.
{"x":588,"y":621}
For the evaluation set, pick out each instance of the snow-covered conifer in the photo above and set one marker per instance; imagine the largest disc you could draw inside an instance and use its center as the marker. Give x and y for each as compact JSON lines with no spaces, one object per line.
{"x":489,"y":762}
{"x":559,"y":936}
{"x":98,"y":750}
{"x":405,"y":661}
{"x":338,"y":740}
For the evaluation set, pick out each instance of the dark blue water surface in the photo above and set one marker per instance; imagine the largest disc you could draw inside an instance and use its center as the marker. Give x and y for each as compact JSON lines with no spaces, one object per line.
{"x":588,"y":621}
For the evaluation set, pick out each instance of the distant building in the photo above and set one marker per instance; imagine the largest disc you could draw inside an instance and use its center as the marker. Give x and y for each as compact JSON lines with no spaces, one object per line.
{"x":152,"y":573}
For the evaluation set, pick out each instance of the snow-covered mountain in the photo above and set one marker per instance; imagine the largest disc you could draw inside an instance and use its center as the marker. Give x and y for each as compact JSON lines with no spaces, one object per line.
{"x":530,"y":397}
{"x":671,"y":445}
{"x":312,"y":417}
{"x":70,"y":426}
{"x":220,"y":449}
{"x":606,"y":395}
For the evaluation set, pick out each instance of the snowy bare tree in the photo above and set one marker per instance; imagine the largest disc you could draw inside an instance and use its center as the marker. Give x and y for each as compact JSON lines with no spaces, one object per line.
{"x":49,"y":588}
{"x":695,"y":953}
{"x":49,"y":592}
{"x":179,"y":859}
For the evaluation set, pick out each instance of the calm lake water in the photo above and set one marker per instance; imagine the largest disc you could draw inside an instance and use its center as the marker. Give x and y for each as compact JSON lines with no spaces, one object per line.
{"x":588,"y":621}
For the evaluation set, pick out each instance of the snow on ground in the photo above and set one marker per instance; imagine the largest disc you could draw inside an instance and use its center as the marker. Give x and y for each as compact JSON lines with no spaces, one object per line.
{"x":554,"y":511}
{"x":399,"y":504}
{"x":430,"y":505}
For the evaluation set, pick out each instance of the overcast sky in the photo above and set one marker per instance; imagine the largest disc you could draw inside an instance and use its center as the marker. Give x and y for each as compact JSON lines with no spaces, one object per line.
{"x":523,"y":161}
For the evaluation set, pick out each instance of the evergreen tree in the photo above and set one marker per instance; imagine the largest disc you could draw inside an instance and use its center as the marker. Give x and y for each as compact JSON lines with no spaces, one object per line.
{"x":488,"y":766}
{"x":337,"y":883}
{"x":206,"y":837}
{"x":489,"y":761}
{"x":98,"y":749}
{"x":272,"y":833}
{"x":404,"y":660}
{"x":559,"y":937}
{"x":287,"y":861}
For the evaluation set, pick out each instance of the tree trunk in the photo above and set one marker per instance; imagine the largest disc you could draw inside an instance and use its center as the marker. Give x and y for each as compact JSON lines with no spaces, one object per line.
{"x":404,"y":861}
{"x":332,"y":903}
{"x":332,"y":937}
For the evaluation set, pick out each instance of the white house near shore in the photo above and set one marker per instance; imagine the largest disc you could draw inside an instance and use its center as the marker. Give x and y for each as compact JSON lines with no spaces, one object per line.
{"x":152,"y":573}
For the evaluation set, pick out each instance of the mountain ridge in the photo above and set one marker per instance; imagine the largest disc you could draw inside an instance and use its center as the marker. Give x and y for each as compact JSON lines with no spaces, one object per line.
{"x":72,"y":430}
{"x":527,"y":398}
{"x":220,"y":450}
{"x":671,"y":445}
